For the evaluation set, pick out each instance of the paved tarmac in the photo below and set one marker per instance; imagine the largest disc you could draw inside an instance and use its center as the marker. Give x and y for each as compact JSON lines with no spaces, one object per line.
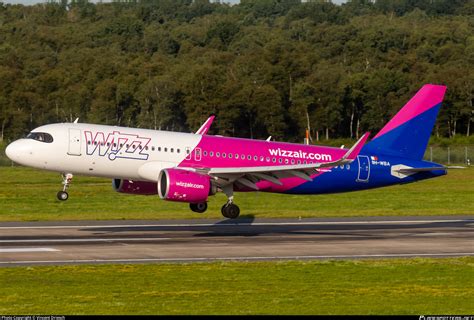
{"x":76,"y":242}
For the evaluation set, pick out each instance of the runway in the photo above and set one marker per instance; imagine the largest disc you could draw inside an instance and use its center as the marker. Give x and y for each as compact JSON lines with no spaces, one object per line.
{"x":50,"y":243}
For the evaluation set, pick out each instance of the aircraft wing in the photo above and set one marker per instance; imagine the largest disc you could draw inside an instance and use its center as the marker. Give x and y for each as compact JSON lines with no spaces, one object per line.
{"x":249,"y":176}
{"x":206,"y":125}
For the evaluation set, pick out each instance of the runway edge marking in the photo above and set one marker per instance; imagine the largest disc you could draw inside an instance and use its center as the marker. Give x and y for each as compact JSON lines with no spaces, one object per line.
{"x":17,"y":250}
{"x":237,"y":224}
{"x":398,"y":255}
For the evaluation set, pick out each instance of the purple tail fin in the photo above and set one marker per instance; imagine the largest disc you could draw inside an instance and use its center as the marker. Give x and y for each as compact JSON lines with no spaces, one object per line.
{"x":407,"y":134}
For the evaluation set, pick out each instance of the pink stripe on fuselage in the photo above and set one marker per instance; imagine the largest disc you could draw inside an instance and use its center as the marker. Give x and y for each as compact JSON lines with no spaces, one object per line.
{"x":426,"y":98}
{"x":255,"y":153}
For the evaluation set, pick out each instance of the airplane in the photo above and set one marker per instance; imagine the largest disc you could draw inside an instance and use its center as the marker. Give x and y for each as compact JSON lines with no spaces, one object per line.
{"x":190,"y":167}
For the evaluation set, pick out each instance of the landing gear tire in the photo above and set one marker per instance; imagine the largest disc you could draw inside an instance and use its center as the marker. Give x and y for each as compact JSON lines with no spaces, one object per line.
{"x":230,"y":211}
{"x":198,"y":207}
{"x":62,"y":195}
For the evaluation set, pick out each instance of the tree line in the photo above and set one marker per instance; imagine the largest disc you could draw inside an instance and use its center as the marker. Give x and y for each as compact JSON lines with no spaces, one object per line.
{"x":264,"y":67}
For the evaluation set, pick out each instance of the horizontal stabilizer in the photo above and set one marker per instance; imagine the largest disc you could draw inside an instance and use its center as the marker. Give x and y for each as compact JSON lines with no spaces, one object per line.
{"x":402,"y":171}
{"x":414,"y":170}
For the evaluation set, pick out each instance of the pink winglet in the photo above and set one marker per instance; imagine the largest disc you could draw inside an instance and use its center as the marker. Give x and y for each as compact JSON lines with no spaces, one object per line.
{"x":205,"y":127}
{"x":429,"y":96}
{"x":355,"y":150}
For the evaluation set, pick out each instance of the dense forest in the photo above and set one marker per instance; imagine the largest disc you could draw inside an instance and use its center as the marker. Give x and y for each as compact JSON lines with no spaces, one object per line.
{"x":264,"y":67}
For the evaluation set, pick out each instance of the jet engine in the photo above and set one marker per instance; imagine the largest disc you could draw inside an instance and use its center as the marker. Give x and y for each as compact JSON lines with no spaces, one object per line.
{"x":135,"y":187}
{"x":184,"y":186}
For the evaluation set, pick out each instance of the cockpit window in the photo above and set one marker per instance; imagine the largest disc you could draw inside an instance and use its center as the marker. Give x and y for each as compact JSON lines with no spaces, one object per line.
{"x":40,"y":136}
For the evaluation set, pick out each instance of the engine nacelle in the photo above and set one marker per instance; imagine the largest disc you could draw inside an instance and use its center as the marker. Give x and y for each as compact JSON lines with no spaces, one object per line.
{"x":135,"y":187}
{"x":184,"y":186}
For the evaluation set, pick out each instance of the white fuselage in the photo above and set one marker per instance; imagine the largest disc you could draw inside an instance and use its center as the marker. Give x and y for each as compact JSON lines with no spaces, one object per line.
{"x":89,"y":149}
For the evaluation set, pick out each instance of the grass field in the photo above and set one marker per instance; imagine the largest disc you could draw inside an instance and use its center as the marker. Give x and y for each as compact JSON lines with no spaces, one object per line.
{"x":28,"y":195}
{"x":398,"y":286}
{"x":385,"y":286}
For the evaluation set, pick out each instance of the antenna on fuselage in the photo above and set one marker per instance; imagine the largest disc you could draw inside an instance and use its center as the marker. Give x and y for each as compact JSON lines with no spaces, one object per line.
{"x":269,"y":138}
{"x":77,"y":119}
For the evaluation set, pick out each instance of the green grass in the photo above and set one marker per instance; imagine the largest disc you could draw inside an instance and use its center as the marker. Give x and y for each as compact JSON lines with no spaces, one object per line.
{"x":398,"y":286}
{"x":28,"y":195}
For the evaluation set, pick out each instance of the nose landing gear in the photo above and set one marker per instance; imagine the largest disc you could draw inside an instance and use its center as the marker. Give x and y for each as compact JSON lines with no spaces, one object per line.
{"x":63,"y":195}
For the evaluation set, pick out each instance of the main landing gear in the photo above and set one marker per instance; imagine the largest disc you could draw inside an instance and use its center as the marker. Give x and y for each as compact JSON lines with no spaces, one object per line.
{"x":63,"y":195}
{"x":198,"y":207}
{"x":230,"y":210}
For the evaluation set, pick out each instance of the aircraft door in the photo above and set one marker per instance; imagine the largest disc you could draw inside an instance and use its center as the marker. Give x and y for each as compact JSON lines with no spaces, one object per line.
{"x":197,"y":154}
{"x":74,"y":142}
{"x":364,"y":169}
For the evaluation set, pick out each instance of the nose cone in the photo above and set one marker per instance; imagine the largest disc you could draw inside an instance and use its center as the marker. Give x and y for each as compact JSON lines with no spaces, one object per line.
{"x":10,"y":151}
{"x":18,"y":151}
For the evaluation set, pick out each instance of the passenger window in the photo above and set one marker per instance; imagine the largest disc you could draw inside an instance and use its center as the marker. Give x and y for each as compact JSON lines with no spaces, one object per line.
{"x":171,"y":150}
{"x":166,"y":149}
{"x":218,"y":154}
{"x":224,"y":154}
